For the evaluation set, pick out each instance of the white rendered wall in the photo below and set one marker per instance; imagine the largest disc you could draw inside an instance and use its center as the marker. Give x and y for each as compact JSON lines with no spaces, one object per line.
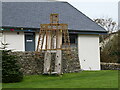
{"x":0,"y":38}
{"x":36,"y":40}
{"x":89,"y":53}
{"x":15,"y":41}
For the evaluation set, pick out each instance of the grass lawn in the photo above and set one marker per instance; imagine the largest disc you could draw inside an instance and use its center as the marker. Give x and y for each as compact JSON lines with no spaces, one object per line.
{"x":85,"y":79}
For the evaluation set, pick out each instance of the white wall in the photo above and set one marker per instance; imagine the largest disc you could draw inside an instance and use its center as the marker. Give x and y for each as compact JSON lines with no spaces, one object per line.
{"x":0,"y":39}
{"x":89,"y":53}
{"x":36,"y":40}
{"x":15,"y":41}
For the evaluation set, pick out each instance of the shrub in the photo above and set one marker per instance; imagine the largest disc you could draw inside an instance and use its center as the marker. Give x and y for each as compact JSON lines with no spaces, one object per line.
{"x":10,"y":68}
{"x":110,"y":52}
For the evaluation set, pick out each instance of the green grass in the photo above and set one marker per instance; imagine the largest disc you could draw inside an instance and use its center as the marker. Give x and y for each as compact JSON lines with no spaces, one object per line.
{"x":85,"y":79}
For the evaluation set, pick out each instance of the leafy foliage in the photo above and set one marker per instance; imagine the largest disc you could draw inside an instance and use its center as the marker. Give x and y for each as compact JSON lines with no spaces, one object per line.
{"x":110,"y":52}
{"x":118,"y":48}
{"x":10,"y":68}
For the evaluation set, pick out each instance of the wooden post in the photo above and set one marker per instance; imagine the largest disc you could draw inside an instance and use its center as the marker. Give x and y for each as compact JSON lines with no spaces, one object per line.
{"x":58,"y":53}
{"x":47,"y":62}
{"x":47,"y":57}
{"x":58,"y":60}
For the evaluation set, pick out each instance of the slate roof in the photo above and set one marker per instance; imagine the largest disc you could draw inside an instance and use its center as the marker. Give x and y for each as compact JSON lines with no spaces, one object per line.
{"x":32,"y":14}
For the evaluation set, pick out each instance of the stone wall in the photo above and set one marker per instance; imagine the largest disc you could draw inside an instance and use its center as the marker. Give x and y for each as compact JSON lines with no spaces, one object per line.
{"x":110,"y":66}
{"x":30,"y":65}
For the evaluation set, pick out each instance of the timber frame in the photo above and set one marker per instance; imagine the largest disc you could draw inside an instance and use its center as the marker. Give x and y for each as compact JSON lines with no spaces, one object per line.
{"x":50,"y":36}
{"x":53,"y":29}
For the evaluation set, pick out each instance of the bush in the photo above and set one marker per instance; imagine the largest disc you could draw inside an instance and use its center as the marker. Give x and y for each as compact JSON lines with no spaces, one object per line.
{"x":10,"y":68}
{"x":118,"y":46}
{"x":110,"y":52}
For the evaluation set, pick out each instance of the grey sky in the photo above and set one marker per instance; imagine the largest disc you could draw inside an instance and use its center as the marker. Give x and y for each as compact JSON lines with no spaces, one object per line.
{"x":98,"y":9}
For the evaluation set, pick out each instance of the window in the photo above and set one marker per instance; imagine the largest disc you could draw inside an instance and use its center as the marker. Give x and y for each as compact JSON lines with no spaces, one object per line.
{"x":73,"y":38}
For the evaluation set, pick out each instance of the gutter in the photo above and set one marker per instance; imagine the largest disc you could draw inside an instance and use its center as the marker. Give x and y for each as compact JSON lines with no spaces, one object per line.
{"x":70,"y":31}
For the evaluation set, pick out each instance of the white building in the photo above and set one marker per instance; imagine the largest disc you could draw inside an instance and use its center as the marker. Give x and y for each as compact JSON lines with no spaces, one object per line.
{"x":21,"y":23}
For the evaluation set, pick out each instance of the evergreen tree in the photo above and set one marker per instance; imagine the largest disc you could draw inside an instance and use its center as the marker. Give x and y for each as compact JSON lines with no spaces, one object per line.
{"x":10,"y":68}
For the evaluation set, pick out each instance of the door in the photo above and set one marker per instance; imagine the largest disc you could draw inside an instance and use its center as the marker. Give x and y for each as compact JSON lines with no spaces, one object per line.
{"x":29,"y":41}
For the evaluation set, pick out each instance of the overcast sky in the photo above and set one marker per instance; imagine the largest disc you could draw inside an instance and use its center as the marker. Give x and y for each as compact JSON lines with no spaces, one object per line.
{"x":97,"y":8}
{"x":92,"y":8}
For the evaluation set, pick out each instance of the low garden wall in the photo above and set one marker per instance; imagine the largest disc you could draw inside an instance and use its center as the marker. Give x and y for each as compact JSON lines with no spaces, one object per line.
{"x":31,"y":66}
{"x":110,"y":66}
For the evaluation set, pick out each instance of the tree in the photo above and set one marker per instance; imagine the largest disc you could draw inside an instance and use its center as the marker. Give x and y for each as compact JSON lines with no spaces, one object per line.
{"x":109,"y":42}
{"x":10,"y":69}
{"x":108,"y":24}
{"x":118,"y":47}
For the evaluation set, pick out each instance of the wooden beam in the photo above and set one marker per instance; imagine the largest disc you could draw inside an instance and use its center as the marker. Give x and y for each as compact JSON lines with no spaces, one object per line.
{"x":47,"y":63}
{"x":58,"y":53}
{"x":58,"y":62}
